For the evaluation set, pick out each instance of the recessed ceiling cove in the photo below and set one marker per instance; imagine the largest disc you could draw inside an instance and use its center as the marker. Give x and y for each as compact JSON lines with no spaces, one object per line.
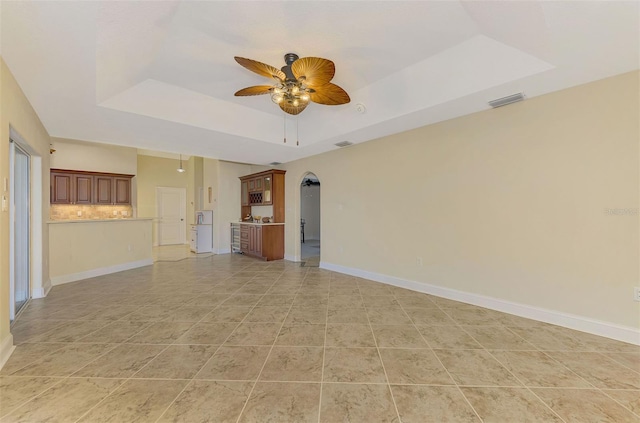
{"x":144,"y":74}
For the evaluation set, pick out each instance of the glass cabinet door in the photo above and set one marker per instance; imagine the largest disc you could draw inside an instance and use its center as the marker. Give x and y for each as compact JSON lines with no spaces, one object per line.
{"x":266,"y":197}
{"x":245,"y":193}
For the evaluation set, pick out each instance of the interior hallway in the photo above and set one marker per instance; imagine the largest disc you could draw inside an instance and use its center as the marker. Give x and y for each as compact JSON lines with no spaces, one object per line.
{"x":227,"y":338}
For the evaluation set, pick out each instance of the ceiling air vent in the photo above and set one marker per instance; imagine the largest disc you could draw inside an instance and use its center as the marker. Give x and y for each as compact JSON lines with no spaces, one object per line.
{"x":343,"y":144}
{"x":513,"y":98}
{"x":274,"y":163}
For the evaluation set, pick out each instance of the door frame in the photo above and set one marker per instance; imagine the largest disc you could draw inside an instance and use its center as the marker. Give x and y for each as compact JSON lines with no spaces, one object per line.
{"x":183,"y":207}
{"x":297,"y":236}
{"x":37,"y":287}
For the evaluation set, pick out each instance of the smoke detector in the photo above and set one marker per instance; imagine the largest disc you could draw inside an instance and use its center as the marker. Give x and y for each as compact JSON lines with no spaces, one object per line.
{"x":360,"y":108}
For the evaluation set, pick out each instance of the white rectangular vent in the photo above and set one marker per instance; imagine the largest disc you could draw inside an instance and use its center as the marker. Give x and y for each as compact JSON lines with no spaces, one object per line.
{"x":343,"y":144}
{"x":274,"y":163}
{"x":514,"y":98}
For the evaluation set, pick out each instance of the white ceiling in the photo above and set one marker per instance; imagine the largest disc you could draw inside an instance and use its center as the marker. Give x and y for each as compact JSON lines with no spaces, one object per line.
{"x":161,"y":75}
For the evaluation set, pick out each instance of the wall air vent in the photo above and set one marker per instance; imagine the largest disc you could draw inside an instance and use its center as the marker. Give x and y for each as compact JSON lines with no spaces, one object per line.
{"x":343,"y":144}
{"x":274,"y":163}
{"x":514,"y":98}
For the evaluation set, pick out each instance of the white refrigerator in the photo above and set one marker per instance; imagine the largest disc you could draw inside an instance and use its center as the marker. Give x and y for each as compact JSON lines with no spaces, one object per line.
{"x":202,"y":232}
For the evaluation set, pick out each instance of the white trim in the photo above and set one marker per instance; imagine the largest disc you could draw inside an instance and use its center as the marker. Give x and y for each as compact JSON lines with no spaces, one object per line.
{"x":73,"y":277}
{"x":571,"y":321}
{"x":6,"y":349}
{"x":42,"y":291}
{"x":292,"y":258}
{"x":37,"y":282}
{"x":223,"y":251}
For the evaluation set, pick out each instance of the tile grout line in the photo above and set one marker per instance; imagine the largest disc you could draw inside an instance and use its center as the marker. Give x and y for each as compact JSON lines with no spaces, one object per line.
{"x":268,"y":355}
{"x":131,"y":377}
{"x":193,"y":379}
{"x":32,"y":398}
{"x":514,"y":375}
{"x":375,"y":340}
{"x":162,"y":292}
{"x":324,"y":351}
{"x":457,"y":386}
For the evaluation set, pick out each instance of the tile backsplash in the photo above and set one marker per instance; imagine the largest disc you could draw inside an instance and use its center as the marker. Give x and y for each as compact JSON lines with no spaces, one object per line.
{"x":86,"y":212}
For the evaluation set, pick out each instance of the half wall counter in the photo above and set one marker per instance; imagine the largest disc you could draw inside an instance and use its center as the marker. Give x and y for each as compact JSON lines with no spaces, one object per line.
{"x":81,"y":249}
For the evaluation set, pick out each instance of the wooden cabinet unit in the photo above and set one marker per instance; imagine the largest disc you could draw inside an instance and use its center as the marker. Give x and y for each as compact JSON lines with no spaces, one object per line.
{"x":263,"y":189}
{"x":121,"y":190}
{"x":80,"y":187}
{"x":61,"y":188}
{"x":104,"y":190}
{"x":265,"y":242}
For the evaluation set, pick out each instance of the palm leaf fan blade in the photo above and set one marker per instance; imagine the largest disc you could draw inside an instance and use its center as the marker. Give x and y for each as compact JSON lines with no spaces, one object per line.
{"x":260,"y":68}
{"x":255,"y":90}
{"x":316,"y":71}
{"x":330,"y":95}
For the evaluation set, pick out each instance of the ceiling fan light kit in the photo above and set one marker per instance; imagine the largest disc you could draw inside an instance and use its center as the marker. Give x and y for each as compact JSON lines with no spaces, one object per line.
{"x":300,"y":81}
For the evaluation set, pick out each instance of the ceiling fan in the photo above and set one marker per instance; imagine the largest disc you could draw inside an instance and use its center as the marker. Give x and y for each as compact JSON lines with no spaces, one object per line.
{"x":297,"y":83}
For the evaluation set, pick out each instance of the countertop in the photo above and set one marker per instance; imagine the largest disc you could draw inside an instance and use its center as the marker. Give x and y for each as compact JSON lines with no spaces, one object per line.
{"x":258,"y":224}
{"x":100,"y":220}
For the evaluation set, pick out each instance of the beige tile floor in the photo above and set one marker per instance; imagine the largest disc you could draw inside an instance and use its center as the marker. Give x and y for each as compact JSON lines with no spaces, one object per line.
{"x":230,"y":339}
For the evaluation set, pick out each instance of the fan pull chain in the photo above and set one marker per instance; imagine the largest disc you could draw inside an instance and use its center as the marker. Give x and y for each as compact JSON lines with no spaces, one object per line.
{"x":284,"y":119}
{"x":297,"y":138}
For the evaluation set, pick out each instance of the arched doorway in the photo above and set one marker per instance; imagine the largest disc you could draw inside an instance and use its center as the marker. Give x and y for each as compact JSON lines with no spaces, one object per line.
{"x":310,"y":220}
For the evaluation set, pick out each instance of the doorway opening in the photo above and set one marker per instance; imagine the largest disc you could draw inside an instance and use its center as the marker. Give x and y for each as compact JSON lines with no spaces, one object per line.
{"x":20,"y":226}
{"x":310,"y":220}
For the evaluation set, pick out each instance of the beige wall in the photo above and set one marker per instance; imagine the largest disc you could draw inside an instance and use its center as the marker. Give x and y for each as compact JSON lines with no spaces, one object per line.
{"x":222,"y":178}
{"x":79,"y":248}
{"x":17,"y":113}
{"x":160,"y":172}
{"x":228,"y":204}
{"x":507,"y":203}
{"x":93,"y":157}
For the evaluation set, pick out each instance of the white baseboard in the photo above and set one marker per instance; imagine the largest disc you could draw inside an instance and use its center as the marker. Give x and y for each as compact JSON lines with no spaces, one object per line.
{"x":42,"y":292}
{"x":224,"y":251}
{"x":59,"y":280}
{"x":290,"y":257}
{"x":571,"y":321}
{"x":6,"y":348}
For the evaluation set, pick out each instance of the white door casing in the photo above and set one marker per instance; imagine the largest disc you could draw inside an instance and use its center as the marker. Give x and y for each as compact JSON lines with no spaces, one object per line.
{"x":171,"y":212}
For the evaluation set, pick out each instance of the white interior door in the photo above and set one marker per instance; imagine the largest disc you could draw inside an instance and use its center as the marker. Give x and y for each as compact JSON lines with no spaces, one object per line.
{"x":172,"y":213}
{"x":21,"y":234}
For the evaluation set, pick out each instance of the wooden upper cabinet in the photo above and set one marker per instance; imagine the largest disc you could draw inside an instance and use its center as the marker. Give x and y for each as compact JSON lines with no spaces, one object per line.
{"x":104,"y":190}
{"x":244,"y":193}
{"x":79,"y":187}
{"x":82,"y":189}
{"x":267,"y":198}
{"x":61,"y":188}
{"x":122,"y":190}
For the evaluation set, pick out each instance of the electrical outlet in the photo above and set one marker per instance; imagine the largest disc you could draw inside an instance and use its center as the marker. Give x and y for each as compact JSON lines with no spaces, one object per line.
{"x":129,"y":248}
{"x":636,"y":293}
{"x":419,"y":261}
{"x":115,"y":212}
{"x":79,"y":213}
